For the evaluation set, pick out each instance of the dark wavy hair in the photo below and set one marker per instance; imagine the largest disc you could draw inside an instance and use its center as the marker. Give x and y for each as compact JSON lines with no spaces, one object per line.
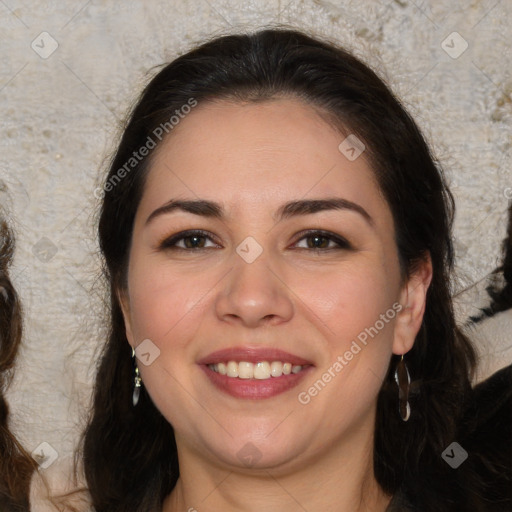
{"x":129,"y":454}
{"x":16,"y":465}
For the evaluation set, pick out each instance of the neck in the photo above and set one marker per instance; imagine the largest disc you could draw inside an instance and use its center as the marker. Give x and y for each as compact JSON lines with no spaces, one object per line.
{"x":341,"y":479}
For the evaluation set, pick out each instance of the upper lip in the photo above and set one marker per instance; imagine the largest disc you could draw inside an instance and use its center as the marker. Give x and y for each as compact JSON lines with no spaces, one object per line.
{"x":252,"y":355}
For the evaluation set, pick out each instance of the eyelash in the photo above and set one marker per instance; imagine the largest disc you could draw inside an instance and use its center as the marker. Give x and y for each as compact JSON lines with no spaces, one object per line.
{"x":170,"y":243}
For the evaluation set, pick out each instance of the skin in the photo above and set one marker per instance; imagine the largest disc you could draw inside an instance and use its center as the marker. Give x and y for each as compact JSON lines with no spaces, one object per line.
{"x":252,"y":158}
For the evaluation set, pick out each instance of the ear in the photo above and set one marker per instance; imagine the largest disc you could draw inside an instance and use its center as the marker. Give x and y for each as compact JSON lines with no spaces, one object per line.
{"x":124,"y":302}
{"x":413,"y":298}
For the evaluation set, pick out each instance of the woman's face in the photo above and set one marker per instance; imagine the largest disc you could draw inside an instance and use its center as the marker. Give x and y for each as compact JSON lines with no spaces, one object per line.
{"x":275,"y":268}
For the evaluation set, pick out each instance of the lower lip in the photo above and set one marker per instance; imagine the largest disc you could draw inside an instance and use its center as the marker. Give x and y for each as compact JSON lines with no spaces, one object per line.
{"x":255,"y":389}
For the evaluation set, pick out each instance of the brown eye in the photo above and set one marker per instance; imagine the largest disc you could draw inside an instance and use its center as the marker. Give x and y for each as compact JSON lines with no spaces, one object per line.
{"x":322,"y":239}
{"x":194,"y":241}
{"x":191,"y":240}
{"x":318,"y":241}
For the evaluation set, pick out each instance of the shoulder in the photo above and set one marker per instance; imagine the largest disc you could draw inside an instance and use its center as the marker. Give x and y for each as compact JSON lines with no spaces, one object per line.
{"x":486,"y":434}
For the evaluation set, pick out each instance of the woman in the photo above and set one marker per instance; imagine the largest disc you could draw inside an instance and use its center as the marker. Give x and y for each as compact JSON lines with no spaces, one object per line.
{"x":16,"y":466}
{"x":276,"y":237}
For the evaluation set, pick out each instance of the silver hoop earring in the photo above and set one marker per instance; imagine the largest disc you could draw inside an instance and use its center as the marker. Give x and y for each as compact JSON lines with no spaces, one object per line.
{"x":138,"y":382}
{"x":403,"y":380}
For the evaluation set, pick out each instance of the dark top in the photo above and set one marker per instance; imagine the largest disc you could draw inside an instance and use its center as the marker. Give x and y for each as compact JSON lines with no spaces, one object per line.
{"x":487,"y":437}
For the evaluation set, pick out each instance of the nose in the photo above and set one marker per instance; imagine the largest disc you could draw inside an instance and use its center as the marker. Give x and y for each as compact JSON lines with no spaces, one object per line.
{"x":254,"y":294}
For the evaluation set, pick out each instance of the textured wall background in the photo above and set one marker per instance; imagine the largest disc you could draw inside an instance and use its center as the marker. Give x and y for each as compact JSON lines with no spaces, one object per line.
{"x":68,"y":72}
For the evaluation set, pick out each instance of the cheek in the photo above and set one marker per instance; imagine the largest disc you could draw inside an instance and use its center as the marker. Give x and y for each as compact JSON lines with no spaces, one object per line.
{"x":349,"y":301}
{"x":166,"y":308}
{"x":162,"y":298}
{"x":355,"y":312}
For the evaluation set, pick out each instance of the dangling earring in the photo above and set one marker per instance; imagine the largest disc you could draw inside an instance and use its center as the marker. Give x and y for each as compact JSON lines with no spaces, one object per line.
{"x":403,"y":380}
{"x":138,"y":380}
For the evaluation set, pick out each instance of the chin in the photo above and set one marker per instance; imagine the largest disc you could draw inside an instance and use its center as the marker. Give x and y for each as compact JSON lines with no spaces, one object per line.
{"x":263,"y":451}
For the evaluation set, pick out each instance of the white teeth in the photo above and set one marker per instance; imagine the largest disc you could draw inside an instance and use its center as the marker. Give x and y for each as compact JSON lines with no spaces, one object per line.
{"x":261,"y":370}
{"x":276,"y":369}
{"x":232,"y":369}
{"x":245,"y":370}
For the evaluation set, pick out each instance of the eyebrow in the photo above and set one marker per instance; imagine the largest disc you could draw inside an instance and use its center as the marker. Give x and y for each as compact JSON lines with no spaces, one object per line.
{"x":214,"y":210}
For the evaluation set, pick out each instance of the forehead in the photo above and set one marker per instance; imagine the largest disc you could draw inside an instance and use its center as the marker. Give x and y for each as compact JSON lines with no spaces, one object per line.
{"x":248,"y":153}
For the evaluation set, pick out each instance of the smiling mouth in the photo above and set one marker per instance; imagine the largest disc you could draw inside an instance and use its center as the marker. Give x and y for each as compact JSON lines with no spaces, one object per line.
{"x":255,"y":381}
{"x":254,"y":372}
{"x":262,"y":370}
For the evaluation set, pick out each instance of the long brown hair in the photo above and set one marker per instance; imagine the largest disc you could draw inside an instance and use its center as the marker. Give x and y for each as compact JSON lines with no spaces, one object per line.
{"x":129,"y":454}
{"x":16,"y":465}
